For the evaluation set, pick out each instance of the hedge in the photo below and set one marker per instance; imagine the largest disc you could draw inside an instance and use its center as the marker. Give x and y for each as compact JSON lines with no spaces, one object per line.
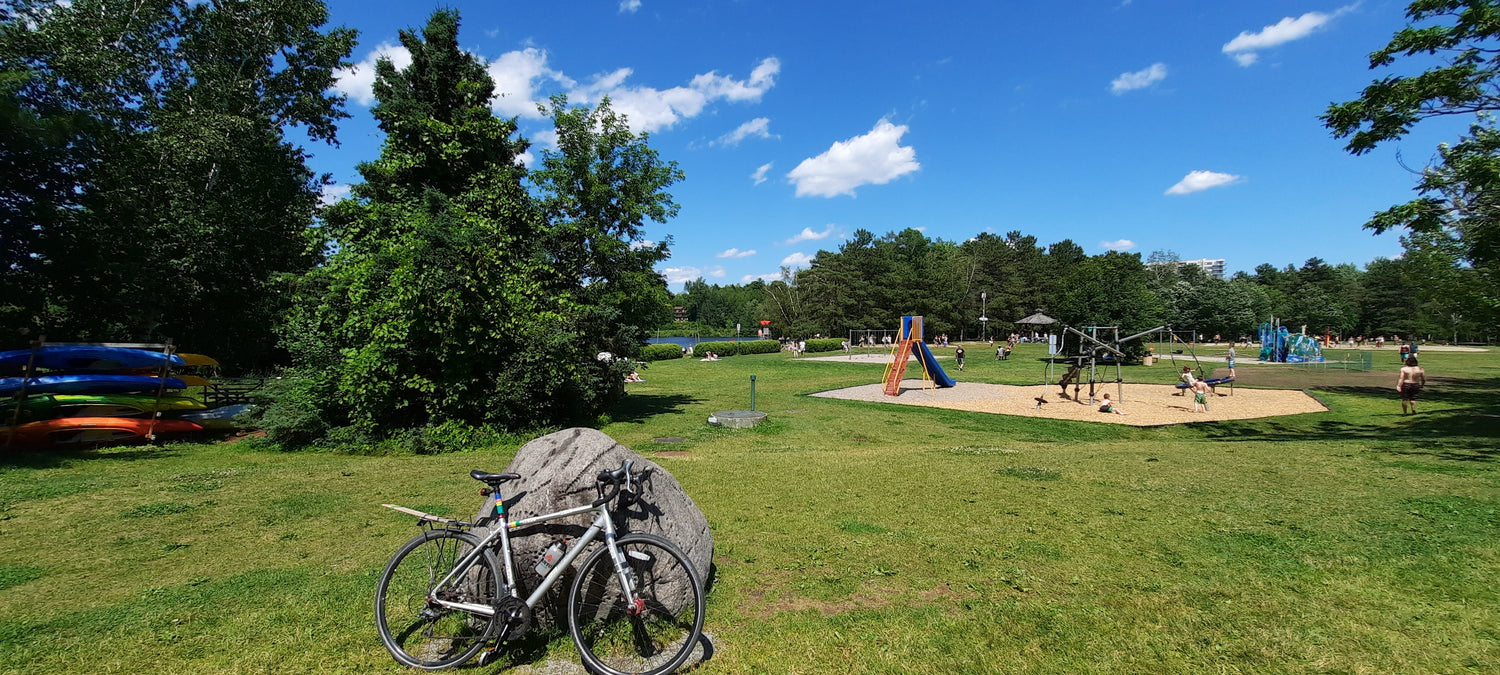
{"x":661,"y":352}
{"x":825,"y":345}
{"x":732,"y":348}
{"x":720,"y":348}
{"x":759,"y":347}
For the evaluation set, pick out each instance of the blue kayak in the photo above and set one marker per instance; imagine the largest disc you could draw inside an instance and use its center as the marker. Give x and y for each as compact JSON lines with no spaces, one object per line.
{"x":80,"y":357}
{"x":87,"y":384}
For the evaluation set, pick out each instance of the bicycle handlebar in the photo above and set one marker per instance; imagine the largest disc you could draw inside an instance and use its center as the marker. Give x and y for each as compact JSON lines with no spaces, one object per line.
{"x":614,"y":479}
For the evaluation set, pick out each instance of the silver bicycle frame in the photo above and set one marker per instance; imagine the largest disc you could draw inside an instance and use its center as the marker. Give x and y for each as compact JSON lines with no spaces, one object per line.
{"x":603,"y":523}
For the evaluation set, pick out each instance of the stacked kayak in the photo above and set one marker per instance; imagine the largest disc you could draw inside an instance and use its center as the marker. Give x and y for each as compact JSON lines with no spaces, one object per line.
{"x":85,"y":395}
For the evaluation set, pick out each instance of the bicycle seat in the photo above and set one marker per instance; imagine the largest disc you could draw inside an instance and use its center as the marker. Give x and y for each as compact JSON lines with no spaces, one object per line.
{"x":493,"y":478}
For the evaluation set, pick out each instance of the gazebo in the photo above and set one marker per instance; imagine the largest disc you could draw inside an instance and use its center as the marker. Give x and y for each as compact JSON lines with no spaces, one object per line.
{"x":1036,"y":321}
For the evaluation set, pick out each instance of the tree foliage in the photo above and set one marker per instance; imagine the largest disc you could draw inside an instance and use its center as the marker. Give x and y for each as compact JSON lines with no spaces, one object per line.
{"x":459,"y":293}
{"x":161,"y":197}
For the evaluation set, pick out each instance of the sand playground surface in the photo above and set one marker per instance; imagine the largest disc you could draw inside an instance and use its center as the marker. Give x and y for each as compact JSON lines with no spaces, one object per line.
{"x":1145,"y":405}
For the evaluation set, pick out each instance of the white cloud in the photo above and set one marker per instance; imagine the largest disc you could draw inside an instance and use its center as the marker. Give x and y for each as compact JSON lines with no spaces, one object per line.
{"x":798,"y":259}
{"x":526,"y":159}
{"x":358,"y":81}
{"x":643,"y":243}
{"x":681,"y":275}
{"x":1139,"y":79}
{"x":758,"y":127}
{"x":547,"y":138}
{"x":736,"y":253}
{"x":1244,"y":46}
{"x":333,"y":193}
{"x":517,"y":75}
{"x":807,"y":234}
{"x":629,"y":6}
{"x":760,"y":174}
{"x":874,"y":158}
{"x":1202,"y":180}
{"x":767,"y":278}
{"x":652,"y":109}
{"x":717,"y":271}
{"x":1120,"y":245}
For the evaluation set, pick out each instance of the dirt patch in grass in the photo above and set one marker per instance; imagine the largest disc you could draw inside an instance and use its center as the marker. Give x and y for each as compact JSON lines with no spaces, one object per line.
{"x":1144,"y":404}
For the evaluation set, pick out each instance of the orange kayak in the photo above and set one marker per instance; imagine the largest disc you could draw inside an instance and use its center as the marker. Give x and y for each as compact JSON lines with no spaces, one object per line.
{"x":90,"y":431}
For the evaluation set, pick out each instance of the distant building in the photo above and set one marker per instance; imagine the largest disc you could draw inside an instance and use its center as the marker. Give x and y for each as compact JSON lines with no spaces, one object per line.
{"x":1214,"y":267}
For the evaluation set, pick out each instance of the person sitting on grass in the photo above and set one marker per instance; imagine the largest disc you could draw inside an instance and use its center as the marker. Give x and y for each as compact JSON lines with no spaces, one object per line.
{"x":1200,"y":395}
{"x":1108,"y":406}
{"x":710,"y":356}
{"x":634,"y":376}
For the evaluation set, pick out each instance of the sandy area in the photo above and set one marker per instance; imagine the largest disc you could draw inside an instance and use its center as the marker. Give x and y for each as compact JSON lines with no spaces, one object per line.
{"x":1145,"y":404}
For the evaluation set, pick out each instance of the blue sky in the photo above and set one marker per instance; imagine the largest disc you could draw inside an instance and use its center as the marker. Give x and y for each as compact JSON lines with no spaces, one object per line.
{"x":1134,"y":125}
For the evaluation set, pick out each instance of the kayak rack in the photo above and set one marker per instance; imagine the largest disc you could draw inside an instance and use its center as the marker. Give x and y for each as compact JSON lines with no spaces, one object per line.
{"x":30,"y":373}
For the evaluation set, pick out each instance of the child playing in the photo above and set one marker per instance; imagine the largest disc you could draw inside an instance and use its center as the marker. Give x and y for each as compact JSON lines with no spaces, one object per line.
{"x":1187,"y":377}
{"x":1200,"y":396}
{"x":1108,"y":406}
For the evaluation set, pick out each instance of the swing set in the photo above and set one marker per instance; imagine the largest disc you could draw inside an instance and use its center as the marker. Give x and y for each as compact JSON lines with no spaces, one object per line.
{"x":1090,"y":352}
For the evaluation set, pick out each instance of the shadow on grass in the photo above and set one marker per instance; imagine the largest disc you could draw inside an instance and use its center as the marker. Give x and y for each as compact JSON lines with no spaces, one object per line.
{"x":58,"y":457}
{"x":1464,"y":427}
{"x":637,"y":408}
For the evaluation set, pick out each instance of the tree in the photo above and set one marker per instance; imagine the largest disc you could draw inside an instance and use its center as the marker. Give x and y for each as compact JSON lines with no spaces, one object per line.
{"x":460,"y":297}
{"x":598,"y":189}
{"x":184,"y":201}
{"x":1456,"y":195}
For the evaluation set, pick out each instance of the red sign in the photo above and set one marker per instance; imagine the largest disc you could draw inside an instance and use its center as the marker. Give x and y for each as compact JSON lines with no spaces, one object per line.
{"x":765,"y":323}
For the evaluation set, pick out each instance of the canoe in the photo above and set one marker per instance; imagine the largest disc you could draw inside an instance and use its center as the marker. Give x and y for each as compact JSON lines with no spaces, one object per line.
{"x":86,"y":384}
{"x":216,"y":418}
{"x":48,"y":406}
{"x":88,"y":431}
{"x":89,"y":358}
{"x":198,"y":360}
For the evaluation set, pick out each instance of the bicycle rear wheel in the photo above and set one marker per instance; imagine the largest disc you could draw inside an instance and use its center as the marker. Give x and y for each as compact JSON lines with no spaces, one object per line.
{"x":659,"y":637}
{"x":421,"y":634}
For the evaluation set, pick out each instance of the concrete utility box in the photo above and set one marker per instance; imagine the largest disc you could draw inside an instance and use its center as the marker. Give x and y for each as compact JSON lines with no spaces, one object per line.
{"x":737,"y":419}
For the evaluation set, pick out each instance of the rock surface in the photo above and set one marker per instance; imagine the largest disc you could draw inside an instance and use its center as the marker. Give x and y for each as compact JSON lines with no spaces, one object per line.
{"x":557,"y":472}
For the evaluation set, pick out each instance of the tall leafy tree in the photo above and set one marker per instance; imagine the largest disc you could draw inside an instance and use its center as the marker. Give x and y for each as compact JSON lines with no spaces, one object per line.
{"x":186,"y":199}
{"x":1457,"y":195}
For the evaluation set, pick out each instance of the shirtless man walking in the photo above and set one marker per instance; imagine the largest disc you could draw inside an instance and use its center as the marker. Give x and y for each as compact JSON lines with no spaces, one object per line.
{"x":1410,"y":384}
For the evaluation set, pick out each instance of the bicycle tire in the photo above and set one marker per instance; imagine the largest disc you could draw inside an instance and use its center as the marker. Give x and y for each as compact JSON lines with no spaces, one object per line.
{"x":657,"y":640}
{"x":428,"y":637}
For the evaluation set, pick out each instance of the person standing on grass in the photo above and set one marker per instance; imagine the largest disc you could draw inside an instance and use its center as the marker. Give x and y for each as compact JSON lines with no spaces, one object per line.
{"x":959,"y":355}
{"x":1410,"y":384}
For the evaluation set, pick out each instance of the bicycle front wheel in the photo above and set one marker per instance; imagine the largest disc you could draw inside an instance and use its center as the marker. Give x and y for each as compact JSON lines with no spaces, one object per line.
{"x":420,"y":633}
{"x":659,"y":633}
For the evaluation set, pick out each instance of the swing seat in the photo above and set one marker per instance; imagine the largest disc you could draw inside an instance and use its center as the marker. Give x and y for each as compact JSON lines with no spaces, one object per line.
{"x":1212,"y":382}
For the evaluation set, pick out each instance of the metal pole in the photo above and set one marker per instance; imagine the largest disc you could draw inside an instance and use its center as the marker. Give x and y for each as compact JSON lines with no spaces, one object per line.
{"x":752,"y":393}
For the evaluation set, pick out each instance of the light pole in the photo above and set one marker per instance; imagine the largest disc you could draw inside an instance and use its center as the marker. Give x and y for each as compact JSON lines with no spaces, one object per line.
{"x":984,"y":319}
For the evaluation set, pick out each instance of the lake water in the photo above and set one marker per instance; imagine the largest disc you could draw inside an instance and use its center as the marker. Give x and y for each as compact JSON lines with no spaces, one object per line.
{"x":688,"y":342}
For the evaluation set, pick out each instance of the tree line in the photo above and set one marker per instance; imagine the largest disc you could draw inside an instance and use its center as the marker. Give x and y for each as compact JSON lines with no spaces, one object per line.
{"x":869,"y":282}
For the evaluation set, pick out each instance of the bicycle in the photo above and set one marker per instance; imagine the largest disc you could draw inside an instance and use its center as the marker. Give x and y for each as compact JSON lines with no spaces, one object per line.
{"x":635,"y":607}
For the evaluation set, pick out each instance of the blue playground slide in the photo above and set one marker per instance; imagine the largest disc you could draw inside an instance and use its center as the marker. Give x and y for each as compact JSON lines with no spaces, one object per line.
{"x":930,"y":364}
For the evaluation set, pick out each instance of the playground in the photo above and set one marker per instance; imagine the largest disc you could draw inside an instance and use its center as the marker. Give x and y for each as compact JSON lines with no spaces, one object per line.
{"x":1145,"y":405}
{"x":1086,"y":367}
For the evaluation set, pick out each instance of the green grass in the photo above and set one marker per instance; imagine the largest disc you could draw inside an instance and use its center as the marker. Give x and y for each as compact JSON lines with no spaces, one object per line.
{"x":850,"y":537}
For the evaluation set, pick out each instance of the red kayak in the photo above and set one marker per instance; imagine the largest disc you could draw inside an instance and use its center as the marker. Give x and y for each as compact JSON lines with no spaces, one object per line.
{"x":90,"y":431}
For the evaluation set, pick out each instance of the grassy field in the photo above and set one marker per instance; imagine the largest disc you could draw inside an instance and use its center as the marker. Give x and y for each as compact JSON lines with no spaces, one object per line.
{"x":851,"y":537}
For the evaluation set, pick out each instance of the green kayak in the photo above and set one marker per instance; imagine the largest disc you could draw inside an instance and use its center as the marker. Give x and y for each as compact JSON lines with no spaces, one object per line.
{"x":58,"y":406}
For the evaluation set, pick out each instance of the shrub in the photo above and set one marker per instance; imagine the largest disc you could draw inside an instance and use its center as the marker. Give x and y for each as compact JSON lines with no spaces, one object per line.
{"x":759,"y":347}
{"x":825,"y":345}
{"x":720,"y":348}
{"x":661,"y":352}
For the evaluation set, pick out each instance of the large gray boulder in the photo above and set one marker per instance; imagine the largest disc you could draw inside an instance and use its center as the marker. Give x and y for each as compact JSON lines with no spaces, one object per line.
{"x":557,"y":472}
